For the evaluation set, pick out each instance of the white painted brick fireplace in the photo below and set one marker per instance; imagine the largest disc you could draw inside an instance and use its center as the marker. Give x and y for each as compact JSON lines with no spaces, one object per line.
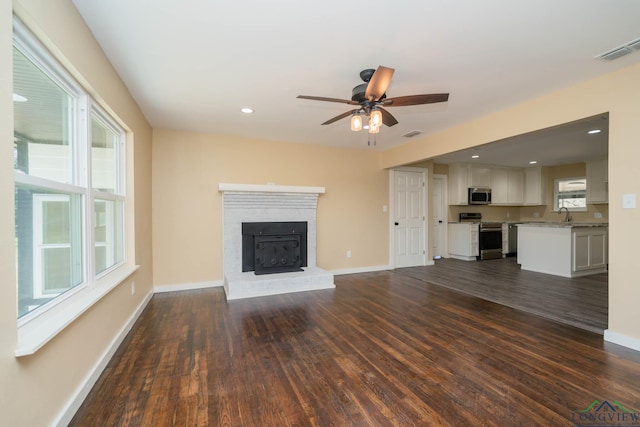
{"x":268,"y":203}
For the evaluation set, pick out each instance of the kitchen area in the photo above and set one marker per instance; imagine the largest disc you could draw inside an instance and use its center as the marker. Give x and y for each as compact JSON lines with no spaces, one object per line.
{"x":497,"y":212}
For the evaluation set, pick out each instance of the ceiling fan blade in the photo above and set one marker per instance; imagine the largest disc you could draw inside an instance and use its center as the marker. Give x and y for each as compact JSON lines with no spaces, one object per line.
{"x":341,"y":116}
{"x":401,"y":101}
{"x":322,"y":98}
{"x":387,"y":118}
{"x":379,"y":83}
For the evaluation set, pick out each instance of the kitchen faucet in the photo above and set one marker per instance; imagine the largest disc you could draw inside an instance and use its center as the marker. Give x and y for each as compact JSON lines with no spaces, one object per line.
{"x":567,"y":218}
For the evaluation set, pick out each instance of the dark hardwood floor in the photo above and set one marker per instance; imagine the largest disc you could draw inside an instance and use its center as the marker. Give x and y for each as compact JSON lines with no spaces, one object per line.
{"x":581,"y":301}
{"x":381,"y":349}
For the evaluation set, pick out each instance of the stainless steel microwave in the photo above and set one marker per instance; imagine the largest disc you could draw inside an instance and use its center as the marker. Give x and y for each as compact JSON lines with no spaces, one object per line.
{"x":479,"y":196}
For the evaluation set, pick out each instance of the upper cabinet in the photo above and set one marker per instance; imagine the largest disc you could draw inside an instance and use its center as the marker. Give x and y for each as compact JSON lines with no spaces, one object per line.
{"x":507,"y":186}
{"x":535,"y":186}
{"x":465,"y":175}
{"x":479,"y":175}
{"x":597,"y":181}
{"x":458,"y":183}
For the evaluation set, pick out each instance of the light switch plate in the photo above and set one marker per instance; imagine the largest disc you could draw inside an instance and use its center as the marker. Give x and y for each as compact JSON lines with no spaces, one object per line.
{"x":629,"y":201}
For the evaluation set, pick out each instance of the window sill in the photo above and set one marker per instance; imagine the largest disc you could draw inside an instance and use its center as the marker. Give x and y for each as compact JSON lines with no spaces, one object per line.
{"x":33,"y":335}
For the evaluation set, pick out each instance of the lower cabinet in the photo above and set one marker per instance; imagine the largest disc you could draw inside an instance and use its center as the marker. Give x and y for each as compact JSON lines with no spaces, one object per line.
{"x":589,"y":250}
{"x":463,"y":241}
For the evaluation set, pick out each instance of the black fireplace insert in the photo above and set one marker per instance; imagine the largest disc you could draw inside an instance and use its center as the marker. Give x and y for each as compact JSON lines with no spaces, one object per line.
{"x":274,"y":247}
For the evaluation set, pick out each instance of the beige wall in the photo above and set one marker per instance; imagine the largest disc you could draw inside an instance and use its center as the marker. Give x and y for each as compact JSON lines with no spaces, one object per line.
{"x":617,"y":93}
{"x":187,"y":220}
{"x":35,"y":389}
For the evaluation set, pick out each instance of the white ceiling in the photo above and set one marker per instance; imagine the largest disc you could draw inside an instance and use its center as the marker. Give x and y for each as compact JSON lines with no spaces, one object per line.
{"x":192,"y":64}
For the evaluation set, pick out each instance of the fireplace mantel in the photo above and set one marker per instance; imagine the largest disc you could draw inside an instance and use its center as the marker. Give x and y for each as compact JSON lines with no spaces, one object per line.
{"x":269,"y":188}
{"x":268,"y":203}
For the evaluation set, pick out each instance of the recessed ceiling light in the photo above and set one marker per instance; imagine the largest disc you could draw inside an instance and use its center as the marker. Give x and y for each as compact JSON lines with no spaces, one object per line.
{"x":533,"y":162}
{"x":475,"y":156}
{"x":592,"y":131}
{"x":247,"y":110}
{"x":19,"y":98}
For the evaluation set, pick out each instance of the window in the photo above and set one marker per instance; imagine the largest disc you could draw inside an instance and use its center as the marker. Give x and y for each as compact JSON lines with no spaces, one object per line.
{"x":69,"y":181}
{"x":571,"y":193}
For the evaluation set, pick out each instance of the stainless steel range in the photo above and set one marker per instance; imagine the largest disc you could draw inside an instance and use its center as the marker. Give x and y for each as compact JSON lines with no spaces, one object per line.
{"x":490,"y":240}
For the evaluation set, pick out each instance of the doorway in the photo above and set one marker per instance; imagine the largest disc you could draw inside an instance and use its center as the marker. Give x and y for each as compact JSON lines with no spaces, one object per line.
{"x":408,"y":231}
{"x":439,"y":211}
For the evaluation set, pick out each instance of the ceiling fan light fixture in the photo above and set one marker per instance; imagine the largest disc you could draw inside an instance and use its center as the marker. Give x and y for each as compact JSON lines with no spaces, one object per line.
{"x":373,"y":128}
{"x":356,"y":122}
{"x":376,"y":118}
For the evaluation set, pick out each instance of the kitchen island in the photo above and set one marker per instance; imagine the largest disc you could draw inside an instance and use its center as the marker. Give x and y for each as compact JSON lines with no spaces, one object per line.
{"x":563,"y":249}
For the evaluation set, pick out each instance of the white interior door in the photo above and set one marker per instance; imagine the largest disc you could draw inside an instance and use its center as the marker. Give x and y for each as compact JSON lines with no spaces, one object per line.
{"x":408,"y":219}
{"x":439,"y":209}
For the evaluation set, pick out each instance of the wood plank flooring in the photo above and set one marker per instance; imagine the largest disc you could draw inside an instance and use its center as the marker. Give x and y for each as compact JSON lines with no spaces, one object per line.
{"x":382,"y":349}
{"x":580,"y":301}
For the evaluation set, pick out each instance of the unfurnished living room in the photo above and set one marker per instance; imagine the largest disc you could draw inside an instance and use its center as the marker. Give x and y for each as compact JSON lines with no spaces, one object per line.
{"x":279,"y":213}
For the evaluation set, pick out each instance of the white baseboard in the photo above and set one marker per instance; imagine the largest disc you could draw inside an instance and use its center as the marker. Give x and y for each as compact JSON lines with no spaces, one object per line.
{"x":623,"y":340}
{"x":187,"y":286}
{"x":64,"y":418}
{"x":361,"y":270}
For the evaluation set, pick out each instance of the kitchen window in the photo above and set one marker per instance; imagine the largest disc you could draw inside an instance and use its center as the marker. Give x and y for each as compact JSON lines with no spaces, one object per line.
{"x":69,"y":183}
{"x":570,"y":193}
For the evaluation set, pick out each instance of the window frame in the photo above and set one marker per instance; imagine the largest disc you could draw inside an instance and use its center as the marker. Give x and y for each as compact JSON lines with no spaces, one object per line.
{"x":556,"y":194}
{"x":39,"y":325}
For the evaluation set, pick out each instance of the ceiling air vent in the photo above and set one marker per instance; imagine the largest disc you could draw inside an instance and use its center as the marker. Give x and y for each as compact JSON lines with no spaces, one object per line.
{"x":623,"y":50}
{"x":635,"y":45}
{"x":412,"y":133}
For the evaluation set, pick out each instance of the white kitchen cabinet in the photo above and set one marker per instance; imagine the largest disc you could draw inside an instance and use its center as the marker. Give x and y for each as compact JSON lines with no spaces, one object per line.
{"x":589,"y":249}
{"x":499,"y":186}
{"x":479,"y":175}
{"x":507,"y":186}
{"x":515,"y":186}
{"x":465,"y":175}
{"x":535,"y":186}
{"x":458,"y":183}
{"x":463,"y":241}
{"x":597,"y":181}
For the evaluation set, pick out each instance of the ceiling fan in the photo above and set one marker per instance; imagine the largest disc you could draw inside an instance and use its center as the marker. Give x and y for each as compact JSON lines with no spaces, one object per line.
{"x":371,"y":96}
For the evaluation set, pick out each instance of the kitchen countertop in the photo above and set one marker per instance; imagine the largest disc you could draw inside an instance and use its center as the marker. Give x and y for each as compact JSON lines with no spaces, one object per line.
{"x":554,"y":224}
{"x":565,"y":224}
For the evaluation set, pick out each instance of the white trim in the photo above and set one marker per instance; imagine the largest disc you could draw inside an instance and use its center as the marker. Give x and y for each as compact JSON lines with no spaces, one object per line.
{"x":445,"y":193}
{"x":33,"y":335}
{"x":623,"y":340}
{"x":188,"y":286}
{"x":43,"y":183}
{"x":81,"y":393}
{"x":356,"y":270}
{"x":269,"y":188}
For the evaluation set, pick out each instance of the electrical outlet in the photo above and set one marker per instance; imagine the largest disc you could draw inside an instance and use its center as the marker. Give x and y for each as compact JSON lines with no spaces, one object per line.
{"x":597,"y":215}
{"x":536,"y":215}
{"x":508,"y":214}
{"x":133,"y":288}
{"x":384,"y":208}
{"x":349,"y":253}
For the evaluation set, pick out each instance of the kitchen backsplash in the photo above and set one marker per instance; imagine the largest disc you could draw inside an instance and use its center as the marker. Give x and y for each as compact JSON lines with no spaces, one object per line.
{"x":528,"y":213}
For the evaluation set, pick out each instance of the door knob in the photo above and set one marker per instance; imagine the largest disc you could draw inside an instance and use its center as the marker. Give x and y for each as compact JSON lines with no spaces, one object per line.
{"x":396,"y":223}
